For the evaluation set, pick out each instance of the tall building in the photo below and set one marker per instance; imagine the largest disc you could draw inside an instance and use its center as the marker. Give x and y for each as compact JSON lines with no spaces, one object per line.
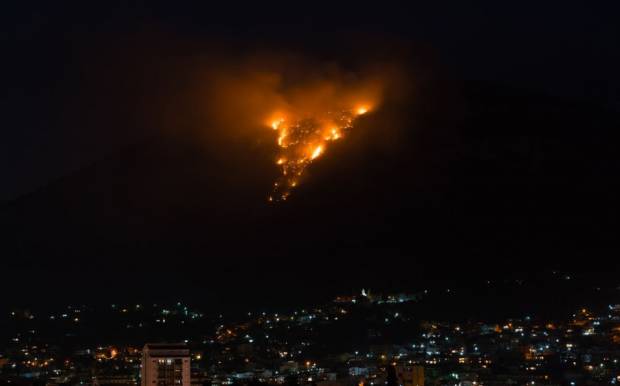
{"x":165,"y":365}
{"x":410,"y":375}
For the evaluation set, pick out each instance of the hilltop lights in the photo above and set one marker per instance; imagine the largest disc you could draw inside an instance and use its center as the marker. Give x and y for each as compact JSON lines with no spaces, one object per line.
{"x":240,"y":349}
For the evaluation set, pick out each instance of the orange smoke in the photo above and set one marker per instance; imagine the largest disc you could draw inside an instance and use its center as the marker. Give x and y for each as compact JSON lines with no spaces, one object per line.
{"x":297,"y":105}
{"x":310,"y":112}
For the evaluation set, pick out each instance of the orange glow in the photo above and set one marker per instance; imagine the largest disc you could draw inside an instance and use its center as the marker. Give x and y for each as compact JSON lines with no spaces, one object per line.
{"x":276,"y":123}
{"x":317,"y":152}
{"x":305,"y":113}
{"x":277,"y":107}
{"x":281,"y":138}
{"x":303,"y":139}
{"x":332,"y":134}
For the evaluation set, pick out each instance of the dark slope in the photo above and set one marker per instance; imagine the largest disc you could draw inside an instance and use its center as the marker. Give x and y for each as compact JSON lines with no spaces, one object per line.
{"x":485,"y":180}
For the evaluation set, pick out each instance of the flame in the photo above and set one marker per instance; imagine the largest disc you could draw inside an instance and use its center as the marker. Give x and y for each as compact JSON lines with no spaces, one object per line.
{"x":302,"y":140}
{"x":275,"y":124}
{"x":317,"y":152}
{"x":332,"y":134}
{"x":361,"y":110}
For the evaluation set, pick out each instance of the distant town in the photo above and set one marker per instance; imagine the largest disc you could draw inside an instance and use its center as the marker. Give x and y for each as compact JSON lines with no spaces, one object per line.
{"x":361,"y":339}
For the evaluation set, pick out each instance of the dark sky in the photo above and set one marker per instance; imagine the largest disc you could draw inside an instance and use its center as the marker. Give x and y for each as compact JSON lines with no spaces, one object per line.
{"x":562,"y":48}
{"x":505,"y":158}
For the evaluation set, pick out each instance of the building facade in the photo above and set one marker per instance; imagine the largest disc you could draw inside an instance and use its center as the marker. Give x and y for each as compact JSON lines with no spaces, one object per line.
{"x":165,"y":365}
{"x":410,"y":375}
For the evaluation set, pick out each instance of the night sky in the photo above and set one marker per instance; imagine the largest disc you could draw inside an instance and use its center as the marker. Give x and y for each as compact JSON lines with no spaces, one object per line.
{"x":496,"y":155}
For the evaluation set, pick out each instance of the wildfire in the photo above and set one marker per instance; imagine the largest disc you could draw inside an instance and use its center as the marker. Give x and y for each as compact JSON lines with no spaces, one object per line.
{"x":317,"y":152}
{"x":304,"y":139}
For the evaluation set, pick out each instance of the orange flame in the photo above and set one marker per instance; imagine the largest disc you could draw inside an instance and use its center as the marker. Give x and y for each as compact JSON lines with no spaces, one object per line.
{"x":304,"y":139}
